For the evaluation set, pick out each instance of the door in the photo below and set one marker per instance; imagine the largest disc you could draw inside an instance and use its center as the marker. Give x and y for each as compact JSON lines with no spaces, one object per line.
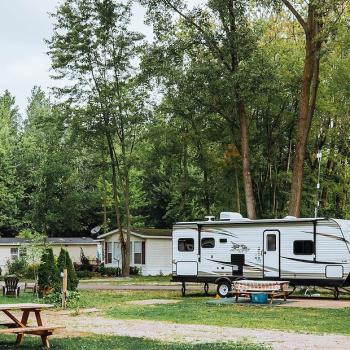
{"x":271,"y":253}
{"x":185,"y":251}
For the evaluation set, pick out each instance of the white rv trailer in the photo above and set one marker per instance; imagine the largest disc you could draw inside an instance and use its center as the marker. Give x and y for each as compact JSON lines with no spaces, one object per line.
{"x":304,"y":251}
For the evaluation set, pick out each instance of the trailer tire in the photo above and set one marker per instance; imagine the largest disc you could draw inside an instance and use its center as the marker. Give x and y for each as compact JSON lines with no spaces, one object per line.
{"x":224,"y":288}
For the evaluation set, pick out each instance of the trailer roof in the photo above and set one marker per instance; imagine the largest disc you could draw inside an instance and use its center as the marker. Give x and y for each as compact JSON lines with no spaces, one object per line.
{"x":245,"y":221}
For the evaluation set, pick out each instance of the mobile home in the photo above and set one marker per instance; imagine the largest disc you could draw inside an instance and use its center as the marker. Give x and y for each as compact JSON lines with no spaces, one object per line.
{"x":304,"y":251}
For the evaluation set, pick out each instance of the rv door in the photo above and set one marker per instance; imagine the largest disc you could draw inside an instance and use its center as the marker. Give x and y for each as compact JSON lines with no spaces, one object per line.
{"x":185,"y":251}
{"x":271,"y":253}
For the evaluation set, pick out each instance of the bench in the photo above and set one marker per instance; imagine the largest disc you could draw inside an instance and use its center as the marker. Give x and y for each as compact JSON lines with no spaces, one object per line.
{"x":20,"y":326}
{"x":43,"y":331}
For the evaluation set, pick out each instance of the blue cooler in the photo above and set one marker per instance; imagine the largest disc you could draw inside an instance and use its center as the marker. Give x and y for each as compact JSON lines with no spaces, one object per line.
{"x":259,"y":298}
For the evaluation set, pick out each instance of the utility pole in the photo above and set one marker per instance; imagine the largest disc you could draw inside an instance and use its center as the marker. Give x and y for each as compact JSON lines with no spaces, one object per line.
{"x":318,"y":186}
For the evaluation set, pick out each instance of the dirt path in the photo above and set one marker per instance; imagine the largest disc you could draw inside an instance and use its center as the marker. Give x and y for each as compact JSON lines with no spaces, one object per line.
{"x":165,"y":331}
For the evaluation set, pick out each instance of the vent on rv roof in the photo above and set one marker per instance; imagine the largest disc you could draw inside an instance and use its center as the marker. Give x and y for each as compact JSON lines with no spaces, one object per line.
{"x":231,"y":216}
{"x":290,"y":217}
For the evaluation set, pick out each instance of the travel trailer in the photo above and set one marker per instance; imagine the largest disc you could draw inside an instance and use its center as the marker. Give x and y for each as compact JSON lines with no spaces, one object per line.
{"x":304,"y":251}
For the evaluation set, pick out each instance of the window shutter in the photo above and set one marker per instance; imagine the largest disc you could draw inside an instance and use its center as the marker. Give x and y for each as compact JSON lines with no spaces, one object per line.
{"x":106,"y":253}
{"x":143,"y":253}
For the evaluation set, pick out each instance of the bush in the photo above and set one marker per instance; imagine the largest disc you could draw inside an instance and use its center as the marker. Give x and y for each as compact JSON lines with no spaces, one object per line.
{"x":112,"y":271}
{"x":134,"y":270}
{"x":21,"y":269}
{"x":85,"y":274}
{"x":64,"y":262}
{"x":48,"y":275}
{"x":73,"y":300}
{"x":17,"y":267}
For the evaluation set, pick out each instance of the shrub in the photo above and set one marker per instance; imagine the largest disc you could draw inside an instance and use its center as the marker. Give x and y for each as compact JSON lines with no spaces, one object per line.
{"x":48,"y":275}
{"x":84,"y":274}
{"x":17,"y":267}
{"x":31,"y":272}
{"x":85,"y":263}
{"x":112,"y":271}
{"x":73,"y":300}
{"x":64,"y":262}
{"x":20,"y":268}
{"x":134,"y":270}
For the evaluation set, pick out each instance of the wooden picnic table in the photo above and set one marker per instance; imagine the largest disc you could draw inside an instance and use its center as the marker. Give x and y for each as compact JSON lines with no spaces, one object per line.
{"x":273,"y":289}
{"x":20,"y":327}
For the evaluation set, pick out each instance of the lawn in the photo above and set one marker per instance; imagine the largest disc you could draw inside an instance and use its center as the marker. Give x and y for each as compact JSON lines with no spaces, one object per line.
{"x":118,"y":343}
{"x":130,"y":280}
{"x":196,"y":309}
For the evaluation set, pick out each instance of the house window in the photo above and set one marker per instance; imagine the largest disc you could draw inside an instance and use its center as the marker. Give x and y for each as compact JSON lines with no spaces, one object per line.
{"x":14,"y":253}
{"x":185,"y":245}
{"x":139,"y":252}
{"x":109,"y":252}
{"x":271,"y":243}
{"x":208,"y":243}
{"x":303,"y":247}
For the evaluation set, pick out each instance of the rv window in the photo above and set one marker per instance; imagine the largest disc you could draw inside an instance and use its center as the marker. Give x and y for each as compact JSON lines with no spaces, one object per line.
{"x":303,"y":247}
{"x":185,"y":245}
{"x":271,"y":243}
{"x":223,"y":240}
{"x":208,"y":243}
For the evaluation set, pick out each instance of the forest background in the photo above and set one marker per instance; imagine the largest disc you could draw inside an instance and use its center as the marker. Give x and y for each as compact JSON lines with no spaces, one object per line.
{"x":225,"y":109}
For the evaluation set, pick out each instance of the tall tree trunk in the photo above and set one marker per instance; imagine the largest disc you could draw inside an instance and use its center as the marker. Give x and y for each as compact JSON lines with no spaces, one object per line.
{"x":126,"y":265}
{"x":116,"y":196}
{"x":308,"y":98}
{"x":247,"y":177}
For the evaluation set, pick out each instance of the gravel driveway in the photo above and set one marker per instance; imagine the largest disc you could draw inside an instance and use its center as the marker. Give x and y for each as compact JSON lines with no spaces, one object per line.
{"x":191,"y":333}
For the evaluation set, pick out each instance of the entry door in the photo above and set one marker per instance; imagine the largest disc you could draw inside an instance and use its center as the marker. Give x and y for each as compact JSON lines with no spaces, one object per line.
{"x":271,"y":253}
{"x":185,"y":252}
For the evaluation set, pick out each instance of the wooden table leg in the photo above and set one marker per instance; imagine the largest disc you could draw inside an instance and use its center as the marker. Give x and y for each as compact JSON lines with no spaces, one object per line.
{"x":24,"y":322}
{"x":44,"y":338}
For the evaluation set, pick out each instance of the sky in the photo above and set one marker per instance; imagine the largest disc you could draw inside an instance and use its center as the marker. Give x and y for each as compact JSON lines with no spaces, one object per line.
{"x":24,"y":24}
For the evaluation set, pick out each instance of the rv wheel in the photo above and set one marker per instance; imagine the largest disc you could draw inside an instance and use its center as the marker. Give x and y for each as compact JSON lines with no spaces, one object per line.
{"x":224,"y":288}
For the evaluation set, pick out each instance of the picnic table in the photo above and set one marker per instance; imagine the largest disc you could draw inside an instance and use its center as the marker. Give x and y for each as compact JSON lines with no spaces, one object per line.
{"x":273,"y":289}
{"x":20,"y":327}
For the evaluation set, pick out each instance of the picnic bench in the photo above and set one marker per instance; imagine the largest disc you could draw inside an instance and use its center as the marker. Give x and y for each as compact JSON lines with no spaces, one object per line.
{"x":21,"y":327}
{"x":273,"y":289}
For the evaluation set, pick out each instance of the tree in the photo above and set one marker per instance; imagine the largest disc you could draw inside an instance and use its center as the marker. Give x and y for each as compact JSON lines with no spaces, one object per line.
{"x":222,"y":28}
{"x":64,"y":262}
{"x":94,"y":49}
{"x":11,"y":191}
{"x":48,"y":275}
{"x":320,"y":16}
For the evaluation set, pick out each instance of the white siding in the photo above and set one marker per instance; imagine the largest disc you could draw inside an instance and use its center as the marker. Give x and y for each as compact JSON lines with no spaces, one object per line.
{"x":90,"y":251}
{"x":158,"y":257}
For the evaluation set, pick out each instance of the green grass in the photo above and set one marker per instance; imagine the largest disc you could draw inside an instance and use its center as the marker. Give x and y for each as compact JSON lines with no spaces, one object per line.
{"x":196,"y":309}
{"x":130,"y":280}
{"x":118,"y":343}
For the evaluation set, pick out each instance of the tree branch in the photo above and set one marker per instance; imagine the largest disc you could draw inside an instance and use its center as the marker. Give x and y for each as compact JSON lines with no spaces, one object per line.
{"x":296,"y":14}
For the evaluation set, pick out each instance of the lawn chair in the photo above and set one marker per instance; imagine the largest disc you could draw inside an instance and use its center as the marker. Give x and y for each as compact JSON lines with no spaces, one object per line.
{"x":11,"y":286}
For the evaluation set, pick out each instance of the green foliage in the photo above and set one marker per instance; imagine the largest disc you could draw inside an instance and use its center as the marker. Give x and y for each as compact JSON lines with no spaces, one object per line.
{"x":73,"y":301}
{"x":64,"y":262}
{"x":84,"y":274}
{"x":48,"y":274}
{"x":152,"y":129}
{"x":17,"y":267}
